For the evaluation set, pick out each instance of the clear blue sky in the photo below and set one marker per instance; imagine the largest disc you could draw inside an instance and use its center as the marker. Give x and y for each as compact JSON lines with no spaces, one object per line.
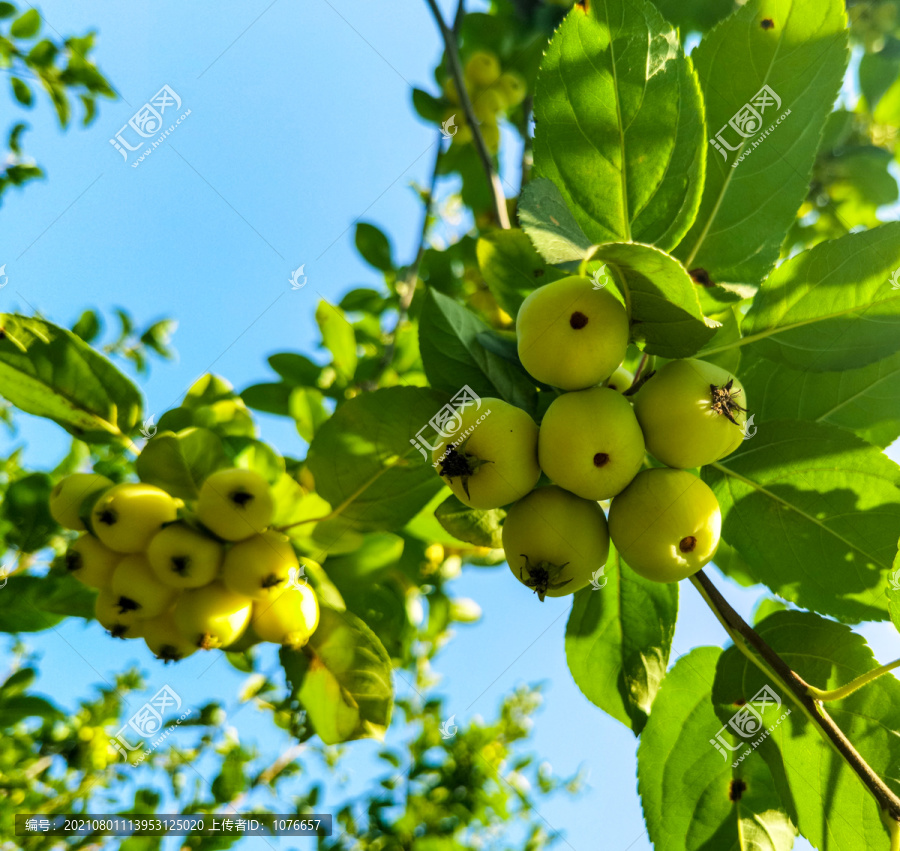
{"x":300,"y":124}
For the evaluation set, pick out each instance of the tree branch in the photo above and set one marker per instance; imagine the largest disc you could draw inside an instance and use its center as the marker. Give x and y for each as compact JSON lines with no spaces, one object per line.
{"x":449,"y":37}
{"x":743,"y":635}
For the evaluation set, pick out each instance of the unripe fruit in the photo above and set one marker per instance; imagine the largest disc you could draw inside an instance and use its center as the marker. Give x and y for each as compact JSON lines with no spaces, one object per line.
{"x":235,"y":504}
{"x":571,"y":335}
{"x":259,"y":564}
{"x":68,"y":495}
{"x":119,"y":622}
{"x":497,"y":462}
{"x":183,"y":557}
{"x":487,"y":104}
{"x":91,"y":563}
{"x":590,"y":443}
{"x":138,"y":589}
{"x":127,"y":516}
{"x":692,"y":413}
{"x":482,"y":69}
{"x":490,"y":132}
{"x":555,"y":541}
{"x":666,"y":524}
{"x":288,"y":616}
{"x":512,"y":88}
{"x":620,"y":381}
{"x":164,"y":640}
{"x":212,"y":616}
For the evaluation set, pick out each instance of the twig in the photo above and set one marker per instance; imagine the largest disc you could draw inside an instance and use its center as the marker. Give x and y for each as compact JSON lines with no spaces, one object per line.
{"x":743,"y":634}
{"x":449,"y":37}
{"x":848,"y":688}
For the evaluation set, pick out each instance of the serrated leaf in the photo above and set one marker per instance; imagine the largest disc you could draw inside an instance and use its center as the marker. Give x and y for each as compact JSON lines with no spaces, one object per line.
{"x":343,"y":679}
{"x":512,"y":267}
{"x":864,"y":400}
{"x":475,"y":526}
{"x":453,"y":357}
{"x":660,"y":297}
{"x":798,"y":48}
{"x":48,"y":371}
{"x":363,"y":456}
{"x":686,"y":789}
{"x":834,"y":811}
{"x":618,"y":640}
{"x":833,"y":307}
{"x":814,"y":511}
{"x":549,"y":223}
{"x":619,"y":126}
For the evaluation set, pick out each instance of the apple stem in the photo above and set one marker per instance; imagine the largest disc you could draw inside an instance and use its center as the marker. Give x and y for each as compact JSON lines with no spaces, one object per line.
{"x":768,"y":661}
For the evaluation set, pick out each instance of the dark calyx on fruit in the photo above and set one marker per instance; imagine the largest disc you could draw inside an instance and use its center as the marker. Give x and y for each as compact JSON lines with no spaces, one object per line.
{"x":578,"y":320}
{"x":601,"y":459}
{"x":73,"y":561}
{"x":126,"y":604}
{"x":540,"y":577}
{"x":723,"y":402}
{"x":180,"y":564}
{"x":688,"y":544}
{"x":107,"y":517}
{"x":240,"y":498}
{"x":456,"y":464}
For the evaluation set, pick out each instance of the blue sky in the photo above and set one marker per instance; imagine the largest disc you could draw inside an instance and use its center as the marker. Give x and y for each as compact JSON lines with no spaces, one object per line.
{"x":300,"y":123}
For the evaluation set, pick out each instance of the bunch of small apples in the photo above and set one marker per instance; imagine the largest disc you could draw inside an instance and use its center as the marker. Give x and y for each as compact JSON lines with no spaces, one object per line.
{"x":592,"y":444}
{"x":213,"y":577}
{"x":492,"y":91}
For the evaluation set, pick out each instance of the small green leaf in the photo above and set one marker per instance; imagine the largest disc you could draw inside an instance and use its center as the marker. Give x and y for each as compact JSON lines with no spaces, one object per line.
{"x":618,"y":640}
{"x":270,"y":398}
{"x":7,"y":10}
{"x":26,"y":507}
{"x":374,"y":246}
{"x":26,"y":25}
{"x":21,"y":91}
{"x":475,"y":526}
{"x":35,"y":603}
{"x":306,"y":407}
{"x":428,"y":106}
{"x":550,"y":224}
{"x":178,"y":463}
{"x":50,"y":372}
{"x":248,"y":453}
{"x":338,"y":337}
{"x":88,"y":326}
{"x":343,"y":679}
{"x":296,"y":369}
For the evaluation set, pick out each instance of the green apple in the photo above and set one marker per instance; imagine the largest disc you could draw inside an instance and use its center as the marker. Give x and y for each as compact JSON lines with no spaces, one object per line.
{"x":161,"y":635}
{"x":590,"y":443}
{"x":620,"y":381}
{"x":494,"y":459}
{"x":692,"y":413}
{"x":91,"y":563}
{"x":555,"y":542}
{"x":288,"y":616}
{"x":258,"y":564}
{"x":127,"y":516}
{"x":235,"y":504}
{"x":118,"y":622}
{"x":183,"y":557}
{"x":666,"y":524}
{"x":68,"y":495}
{"x":212,"y":616}
{"x":139,"y":590}
{"x":571,"y":335}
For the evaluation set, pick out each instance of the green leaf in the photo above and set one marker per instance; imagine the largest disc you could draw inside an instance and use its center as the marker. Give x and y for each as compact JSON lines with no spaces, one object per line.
{"x":618,"y":640}
{"x":271,"y":398}
{"x":428,"y":106}
{"x":660,"y":297}
{"x":549,"y":223}
{"x":748,"y":204}
{"x":305,"y":406}
{"x":343,"y":679}
{"x":512,"y":268}
{"x":296,"y":369}
{"x":178,"y":463}
{"x":26,"y":25}
{"x":379,"y":552}
{"x":374,"y":246}
{"x":7,"y":10}
{"x":475,"y":526}
{"x":865,"y":400}
{"x":35,"y":603}
{"x":15,"y":709}
{"x":50,"y":372}
{"x":695,"y":15}
{"x":248,"y":453}
{"x":833,"y":809}
{"x":88,"y":326}
{"x":453,"y":356}
{"x":338,"y":337}
{"x":21,"y":91}
{"x":619,"y":124}
{"x":814,"y":511}
{"x":26,"y":506}
{"x":363,"y":457}
{"x":832,"y":307}
{"x":878,"y":71}
{"x":692,"y":799}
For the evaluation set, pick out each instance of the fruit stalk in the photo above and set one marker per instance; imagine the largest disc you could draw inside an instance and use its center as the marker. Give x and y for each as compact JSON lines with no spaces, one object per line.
{"x":449,"y":37}
{"x":799,"y":690}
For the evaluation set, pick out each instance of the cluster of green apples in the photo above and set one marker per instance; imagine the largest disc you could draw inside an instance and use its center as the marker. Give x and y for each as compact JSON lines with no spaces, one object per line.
{"x":593,"y":444}
{"x":492,"y":91}
{"x":185,"y":580}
